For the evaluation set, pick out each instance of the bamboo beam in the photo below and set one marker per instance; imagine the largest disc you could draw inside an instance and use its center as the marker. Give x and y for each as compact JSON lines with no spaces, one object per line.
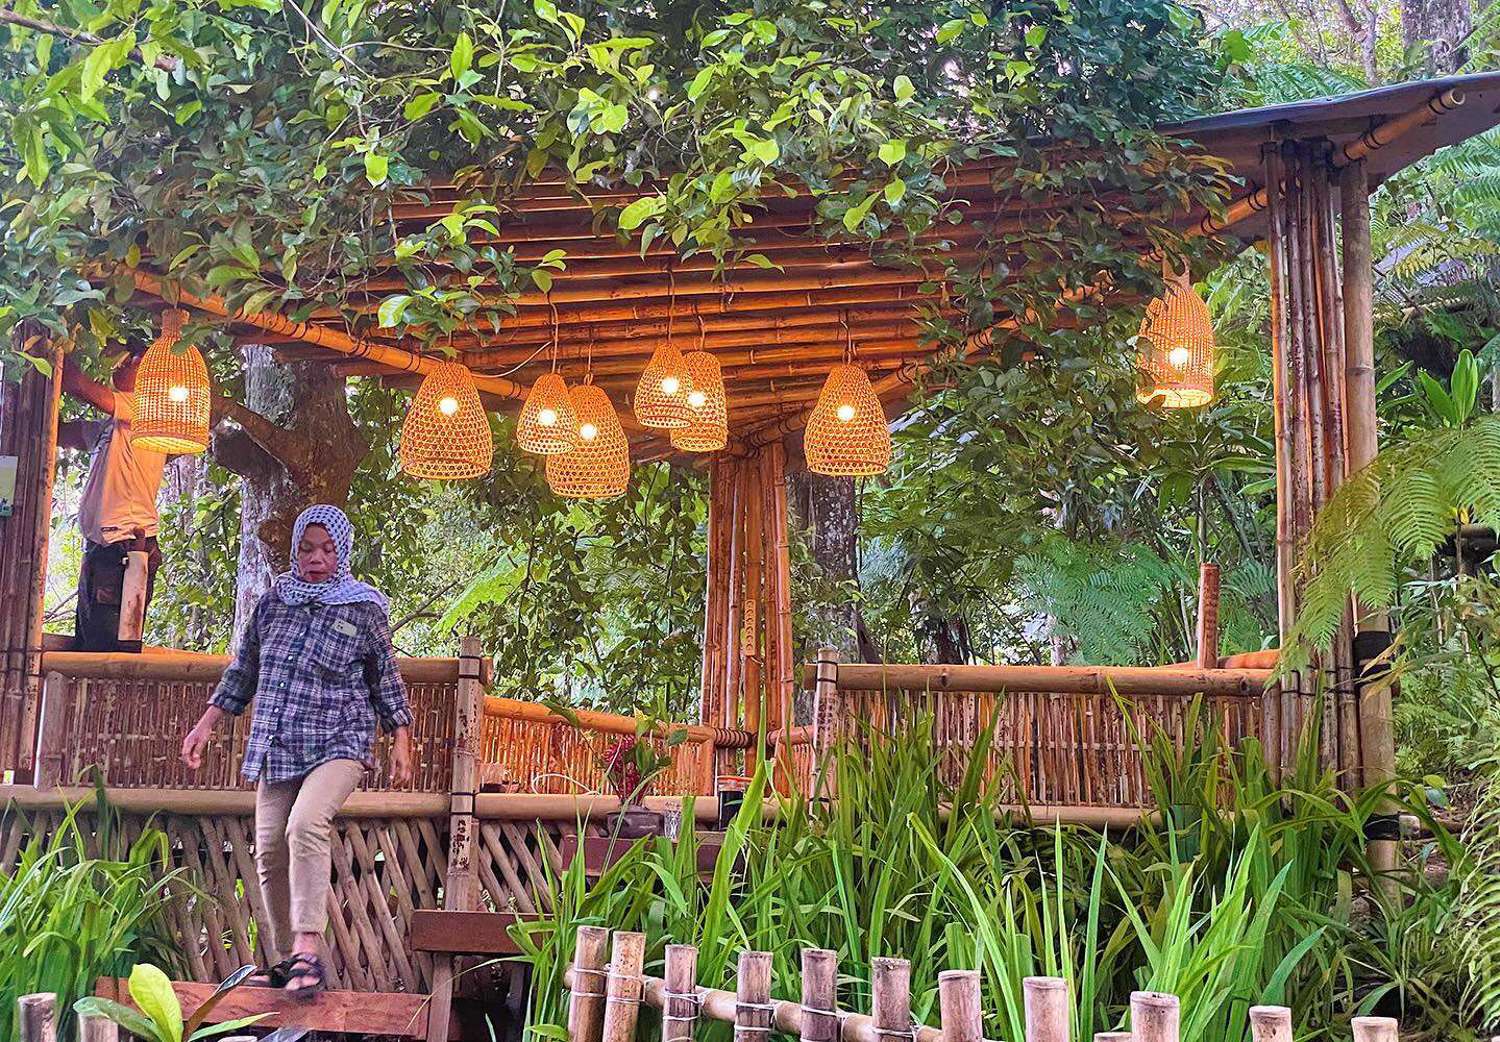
{"x":1208,"y":616}
{"x":189,"y":667}
{"x":1100,"y":680}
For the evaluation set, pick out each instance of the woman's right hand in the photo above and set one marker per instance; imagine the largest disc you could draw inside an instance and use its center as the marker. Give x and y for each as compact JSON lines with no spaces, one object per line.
{"x":196,"y":741}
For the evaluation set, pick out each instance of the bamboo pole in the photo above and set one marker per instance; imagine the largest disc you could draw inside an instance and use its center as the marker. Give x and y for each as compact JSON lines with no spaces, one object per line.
{"x":51,"y":735}
{"x":820,"y":1018}
{"x":958,"y":1006}
{"x":623,"y":986}
{"x":188,"y":667}
{"x":586,"y":1000}
{"x":1270,"y":1024}
{"x":1113,"y":1036}
{"x":92,"y":1028}
{"x":1208,"y":616}
{"x":754,"y":609}
{"x":827,"y":723}
{"x":1375,"y":1029}
{"x":1154,"y":1017}
{"x":734,"y":619}
{"x":710,"y":674}
{"x":1046,"y":1001}
{"x":36,"y":1017}
{"x":679,"y":1016}
{"x":753,"y":1011}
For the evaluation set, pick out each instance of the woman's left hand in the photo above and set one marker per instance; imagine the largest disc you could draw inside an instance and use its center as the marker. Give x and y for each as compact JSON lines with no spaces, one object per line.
{"x":401,"y":765}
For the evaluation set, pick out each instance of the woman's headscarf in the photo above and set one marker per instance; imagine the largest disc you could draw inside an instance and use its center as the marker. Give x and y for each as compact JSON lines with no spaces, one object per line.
{"x":342,"y":587}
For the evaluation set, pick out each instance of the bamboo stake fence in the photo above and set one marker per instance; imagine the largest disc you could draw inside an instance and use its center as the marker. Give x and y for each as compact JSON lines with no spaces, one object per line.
{"x":607,"y":989}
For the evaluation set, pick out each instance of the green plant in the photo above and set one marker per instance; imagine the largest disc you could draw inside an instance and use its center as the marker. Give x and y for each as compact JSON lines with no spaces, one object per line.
{"x":157,"y":1016}
{"x":80,"y":904}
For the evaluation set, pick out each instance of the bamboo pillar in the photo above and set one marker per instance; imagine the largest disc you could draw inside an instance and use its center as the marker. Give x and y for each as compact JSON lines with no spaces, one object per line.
{"x":1375,"y":1029}
{"x":102,"y":1029}
{"x":781,"y":679}
{"x":734,"y":620}
{"x":623,"y":986}
{"x":1046,"y":1000}
{"x":51,"y":732}
{"x":461,"y":885}
{"x":1373,"y":690}
{"x":1270,"y":1024}
{"x":752,"y":998}
{"x":753,"y":609}
{"x":679,"y":1015}
{"x":827,"y":713}
{"x":716,"y":599}
{"x":958,"y":1005}
{"x":890,"y":997}
{"x":28,"y":431}
{"x":1154,"y":1017}
{"x":36,"y":1017}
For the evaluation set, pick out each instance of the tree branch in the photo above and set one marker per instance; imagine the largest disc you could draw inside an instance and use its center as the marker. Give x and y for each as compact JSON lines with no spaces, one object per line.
{"x":280,"y":445}
{"x":8,"y":17}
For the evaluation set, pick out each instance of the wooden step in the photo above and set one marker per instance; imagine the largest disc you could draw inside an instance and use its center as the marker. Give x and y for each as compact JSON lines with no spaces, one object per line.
{"x":348,"y":1012}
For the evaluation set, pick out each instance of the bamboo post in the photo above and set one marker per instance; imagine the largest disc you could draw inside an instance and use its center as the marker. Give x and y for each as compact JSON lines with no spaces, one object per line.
{"x":36,"y":1016}
{"x":1372,"y":637}
{"x":958,"y":1006}
{"x":1376,"y":1029}
{"x":623,"y":986}
{"x":102,"y":1029}
{"x":1270,"y":1024}
{"x":1112,"y":1036}
{"x":782,"y":684}
{"x":1208,"y":616}
{"x":679,"y":1014}
{"x":461,"y":885}
{"x":715,"y":601}
{"x":820,"y":974}
{"x":826,"y":711}
{"x":1046,"y":1001}
{"x":890,"y":997}
{"x":754,"y":607}
{"x":51,"y":736}
{"x":586,"y":1000}
{"x":1154,"y":1017}
{"x":752,"y":999}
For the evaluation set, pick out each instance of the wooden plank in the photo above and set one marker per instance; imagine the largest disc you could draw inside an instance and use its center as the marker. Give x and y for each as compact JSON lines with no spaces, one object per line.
{"x":463,"y":933}
{"x":346,"y":1012}
{"x":600,"y":852}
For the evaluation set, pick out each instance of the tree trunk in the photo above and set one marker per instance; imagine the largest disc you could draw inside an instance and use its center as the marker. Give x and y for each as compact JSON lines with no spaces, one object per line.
{"x":296,"y":445}
{"x":825,"y":510}
{"x":1437,"y":28}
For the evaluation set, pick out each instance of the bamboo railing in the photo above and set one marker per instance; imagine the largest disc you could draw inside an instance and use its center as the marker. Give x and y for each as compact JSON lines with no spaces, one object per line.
{"x":607,"y":988}
{"x":1063,"y":736}
{"x":126,"y":715}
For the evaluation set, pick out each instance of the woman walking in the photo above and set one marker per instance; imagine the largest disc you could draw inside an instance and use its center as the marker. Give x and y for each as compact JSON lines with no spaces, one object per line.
{"x":316,"y":659}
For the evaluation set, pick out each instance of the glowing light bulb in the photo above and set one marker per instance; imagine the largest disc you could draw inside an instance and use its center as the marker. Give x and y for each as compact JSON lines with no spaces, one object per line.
{"x":588,"y":432}
{"x":177,"y":393}
{"x":696,"y":399}
{"x":547,"y":417}
{"x":1179,"y":357}
{"x":845,"y":412}
{"x":448,"y":406}
{"x":670,"y":384}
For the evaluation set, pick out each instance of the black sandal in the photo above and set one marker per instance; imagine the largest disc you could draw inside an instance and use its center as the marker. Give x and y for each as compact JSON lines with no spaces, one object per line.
{"x":300,"y":966}
{"x":270,"y":977}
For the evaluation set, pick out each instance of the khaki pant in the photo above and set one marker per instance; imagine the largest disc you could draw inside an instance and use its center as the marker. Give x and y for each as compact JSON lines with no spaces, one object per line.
{"x":293,"y":825}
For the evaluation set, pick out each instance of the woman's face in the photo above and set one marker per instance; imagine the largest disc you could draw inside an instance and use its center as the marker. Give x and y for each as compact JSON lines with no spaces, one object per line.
{"x":317,"y":557}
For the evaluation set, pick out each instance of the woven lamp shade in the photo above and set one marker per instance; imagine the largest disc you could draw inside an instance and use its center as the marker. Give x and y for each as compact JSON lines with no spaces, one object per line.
{"x":547,"y":424}
{"x":172,"y":398}
{"x":846,"y":435}
{"x":599,"y":467}
{"x":1176,"y":344}
{"x":661,"y":398}
{"x":709,"y":431}
{"x":446,"y":435}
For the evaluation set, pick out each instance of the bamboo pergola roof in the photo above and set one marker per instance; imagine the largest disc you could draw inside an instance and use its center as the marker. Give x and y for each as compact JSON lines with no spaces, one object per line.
{"x":776,"y":333}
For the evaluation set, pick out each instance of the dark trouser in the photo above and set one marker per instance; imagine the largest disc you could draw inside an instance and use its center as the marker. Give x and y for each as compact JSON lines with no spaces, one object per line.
{"x":101,"y":585}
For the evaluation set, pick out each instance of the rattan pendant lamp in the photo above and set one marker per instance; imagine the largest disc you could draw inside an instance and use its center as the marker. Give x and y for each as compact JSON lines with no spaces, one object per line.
{"x":598,"y":467}
{"x":661,"y":397}
{"x":446,"y":435}
{"x":846,"y":434}
{"x":709,"y":431}
{"x":172,"y":396}
{"x":1176,"y":347}
{"x":547,"y":424}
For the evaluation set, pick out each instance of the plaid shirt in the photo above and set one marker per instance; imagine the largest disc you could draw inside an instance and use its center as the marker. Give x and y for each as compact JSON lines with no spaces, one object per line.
{"x":320,"y":674}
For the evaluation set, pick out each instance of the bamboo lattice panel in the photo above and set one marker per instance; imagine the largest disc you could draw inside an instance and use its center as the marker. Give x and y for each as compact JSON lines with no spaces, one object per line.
{"x":555,"y":757}
{"x":383,"y":869}
{"x":1050,"y":749}
{"x":132,"y":730}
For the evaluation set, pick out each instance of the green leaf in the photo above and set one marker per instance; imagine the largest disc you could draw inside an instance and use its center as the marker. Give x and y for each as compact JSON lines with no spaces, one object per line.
{"x":392,"y":309}
{"x":764,"y":149}
{"x":950,"y":30}
{"x":419,"y":106}
{"x":1035,"y":35}
{"x":129,"y":1019}
{"x":462,"y":57}
{"x":700,"y":83}
{"x":546,"y":10}
{"x":904,"y":88}
{"x":151,"y":991}
{"x":638,"y":212}
{"x":895,"y":191}
{"x":542,"y":278}
{"x":893,"y":151}
{"x":376,"y":167}
{"x":187,"y":111}
{"x":855,"y":215}
{"x":101,"y":61}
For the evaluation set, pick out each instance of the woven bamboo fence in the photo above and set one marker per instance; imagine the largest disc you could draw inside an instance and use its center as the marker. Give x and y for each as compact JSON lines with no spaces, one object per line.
{"x":608,"y":987}
{"x":1062,"y":736}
